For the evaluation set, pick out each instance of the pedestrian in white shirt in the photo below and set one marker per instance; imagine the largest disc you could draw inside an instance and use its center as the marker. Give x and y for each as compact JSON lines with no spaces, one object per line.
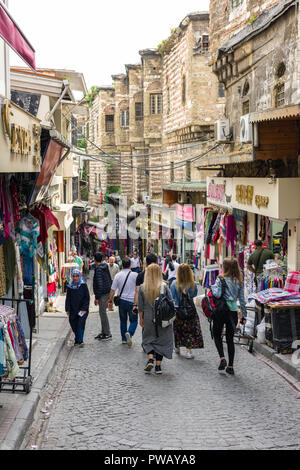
{"x":125,"y":284}
{"x":135,"y":263}
{"x":171,"y":270}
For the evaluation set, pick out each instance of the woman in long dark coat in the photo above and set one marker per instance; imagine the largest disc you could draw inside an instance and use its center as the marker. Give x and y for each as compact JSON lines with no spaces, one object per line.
{"x":77,"y":306}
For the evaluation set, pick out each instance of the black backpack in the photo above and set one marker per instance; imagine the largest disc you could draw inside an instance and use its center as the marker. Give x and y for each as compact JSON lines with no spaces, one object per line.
{"x":186,"y":310}
{"x":164,"y":311}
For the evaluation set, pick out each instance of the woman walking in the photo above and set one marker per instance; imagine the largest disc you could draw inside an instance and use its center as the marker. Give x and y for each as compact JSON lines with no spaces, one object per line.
{"x":157,"y":347}
{"x":187,"y":332}
{"x":233,"y":290}
{"x":77,"y":305}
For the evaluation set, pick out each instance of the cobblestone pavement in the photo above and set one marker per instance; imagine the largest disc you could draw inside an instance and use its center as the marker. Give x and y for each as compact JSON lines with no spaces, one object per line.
{"x":102,"y":399}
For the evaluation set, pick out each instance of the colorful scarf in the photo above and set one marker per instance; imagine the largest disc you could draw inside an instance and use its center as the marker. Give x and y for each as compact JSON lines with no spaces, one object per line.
{"x":76,"y":285}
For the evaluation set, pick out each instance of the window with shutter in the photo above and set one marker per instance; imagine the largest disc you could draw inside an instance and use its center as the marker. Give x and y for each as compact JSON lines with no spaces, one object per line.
{"x":139,"y":111}
{"x":156,"y":103}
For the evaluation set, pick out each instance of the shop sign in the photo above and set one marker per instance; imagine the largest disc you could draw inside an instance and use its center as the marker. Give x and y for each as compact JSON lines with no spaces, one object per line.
{"x":262,"y":201}
{"x":24,"y":141}
{"x":244,"y":194}
{"x":219,"y":192}
{"x":185,"y":213}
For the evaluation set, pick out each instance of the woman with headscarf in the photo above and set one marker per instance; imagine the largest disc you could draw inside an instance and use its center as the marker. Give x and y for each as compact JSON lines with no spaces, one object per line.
{"x":77,"y":305}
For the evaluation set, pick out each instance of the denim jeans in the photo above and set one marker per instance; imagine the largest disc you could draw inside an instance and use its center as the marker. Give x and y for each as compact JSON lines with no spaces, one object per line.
{"x":78,"y":326}
{"x":125,"y":312}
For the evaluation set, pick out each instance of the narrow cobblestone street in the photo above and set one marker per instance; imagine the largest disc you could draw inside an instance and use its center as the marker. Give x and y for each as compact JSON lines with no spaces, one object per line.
{"x":103,"y":400}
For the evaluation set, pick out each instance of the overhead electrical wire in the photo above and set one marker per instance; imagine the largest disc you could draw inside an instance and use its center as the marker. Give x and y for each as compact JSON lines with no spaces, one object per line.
{"x":145,"y":154}
{"x":157,"y":168}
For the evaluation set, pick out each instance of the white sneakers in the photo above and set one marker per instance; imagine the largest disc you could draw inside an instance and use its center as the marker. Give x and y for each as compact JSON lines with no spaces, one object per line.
{"x":128,"y":339}
{"x":189,"y":355}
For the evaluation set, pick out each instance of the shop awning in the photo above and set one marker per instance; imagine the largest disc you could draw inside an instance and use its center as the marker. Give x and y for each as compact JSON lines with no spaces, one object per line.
{"x":191,"y":186}
{"x":286,"y":112}
{"x":14,"y":37}
{"x":64,"y":215}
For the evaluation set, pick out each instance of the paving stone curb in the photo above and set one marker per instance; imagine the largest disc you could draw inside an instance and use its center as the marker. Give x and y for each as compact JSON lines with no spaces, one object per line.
{"x":284,"y":362}
{"x":25,"y":416}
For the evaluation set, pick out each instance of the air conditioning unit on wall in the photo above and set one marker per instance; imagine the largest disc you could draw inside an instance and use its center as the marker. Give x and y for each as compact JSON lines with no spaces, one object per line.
{"x":222,"y":130}
{"x":246,"y":134}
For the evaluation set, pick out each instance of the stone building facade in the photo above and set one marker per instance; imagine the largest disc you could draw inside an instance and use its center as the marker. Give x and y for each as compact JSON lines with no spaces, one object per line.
{"x":168,"y":101}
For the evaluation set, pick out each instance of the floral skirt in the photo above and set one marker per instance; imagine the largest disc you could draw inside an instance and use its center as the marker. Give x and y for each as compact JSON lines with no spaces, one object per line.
{"x":188,"y":333}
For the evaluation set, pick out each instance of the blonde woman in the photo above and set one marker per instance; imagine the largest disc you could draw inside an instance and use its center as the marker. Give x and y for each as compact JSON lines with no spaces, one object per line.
{"x":187,"y":332}
{"x":155,"y":346}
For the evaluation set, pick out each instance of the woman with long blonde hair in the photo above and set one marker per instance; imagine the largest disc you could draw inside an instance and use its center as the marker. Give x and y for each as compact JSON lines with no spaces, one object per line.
{"x":161,"y":345}
{"x":187,"y":332}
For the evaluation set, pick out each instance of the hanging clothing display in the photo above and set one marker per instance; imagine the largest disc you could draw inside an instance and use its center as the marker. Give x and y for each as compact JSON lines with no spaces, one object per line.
{"x":3,"y":289}
{"x":29,"y":232}
{"x":13,"y":347}
{"x":10,"y":262}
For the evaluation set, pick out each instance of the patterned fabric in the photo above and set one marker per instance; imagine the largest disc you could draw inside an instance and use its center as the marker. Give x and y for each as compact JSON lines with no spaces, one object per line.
{"x":231,"y":233}
{"x":188,"y":333}
{"x":76,"y":285}
{"x":292,"y":283}
{"x":29,"y":233}
{"x":3,"y":289}
{"x":274,"y":293}
{"x":11,"y":363}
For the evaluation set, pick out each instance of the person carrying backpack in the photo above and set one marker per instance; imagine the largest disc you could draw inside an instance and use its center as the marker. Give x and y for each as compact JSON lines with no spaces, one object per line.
{"x":187,"y":329}
{"x":158,"y":341}
{"x":229,"y":316}
{"x":101,"y":285}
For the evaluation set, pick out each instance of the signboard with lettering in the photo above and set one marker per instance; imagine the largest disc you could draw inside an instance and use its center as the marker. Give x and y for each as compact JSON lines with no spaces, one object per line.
{"x":219,"y":192}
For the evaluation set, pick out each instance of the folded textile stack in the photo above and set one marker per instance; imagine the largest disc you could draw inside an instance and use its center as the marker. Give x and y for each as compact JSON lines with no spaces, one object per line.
{"x":274,"y":294}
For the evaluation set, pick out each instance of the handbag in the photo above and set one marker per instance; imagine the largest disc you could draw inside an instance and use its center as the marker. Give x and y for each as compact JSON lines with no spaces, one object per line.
{"x":117,"y":298}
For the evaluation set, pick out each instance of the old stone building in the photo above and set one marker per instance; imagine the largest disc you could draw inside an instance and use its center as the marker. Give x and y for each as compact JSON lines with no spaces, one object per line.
{"x":168,"y":101}
{"x":193,"y":99}
{"x":228,"y":17}
{"x":259,"y":162}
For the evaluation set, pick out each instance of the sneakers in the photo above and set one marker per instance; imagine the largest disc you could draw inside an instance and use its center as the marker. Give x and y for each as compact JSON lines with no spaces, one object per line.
{"x":106,"y":338}
{"x":124,"y":342}
{"x":223,"y":365}
{"x":99,"y":336}
{"x":81,"y":345}
{"x":128,"y":340}
{"x":230,"y":371}
{"x":158,"y":370}
{"x":189,"y":355}
{"x":149,"y":365}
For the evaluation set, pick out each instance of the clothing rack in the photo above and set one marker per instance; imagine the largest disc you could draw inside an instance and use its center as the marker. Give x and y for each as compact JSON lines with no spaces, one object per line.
{"x":23,"y":383}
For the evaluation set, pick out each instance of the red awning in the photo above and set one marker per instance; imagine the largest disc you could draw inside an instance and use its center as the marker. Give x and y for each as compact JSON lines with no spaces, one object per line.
{"x":14,"y":37}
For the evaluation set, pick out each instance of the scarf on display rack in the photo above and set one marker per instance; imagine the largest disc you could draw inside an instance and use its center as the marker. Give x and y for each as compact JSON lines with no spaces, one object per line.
{"x":76,"y":285}
{"x":231,"y":233}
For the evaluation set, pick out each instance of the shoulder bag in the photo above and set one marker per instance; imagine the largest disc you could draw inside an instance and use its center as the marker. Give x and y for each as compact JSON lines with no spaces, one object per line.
{"x":118,"y":297}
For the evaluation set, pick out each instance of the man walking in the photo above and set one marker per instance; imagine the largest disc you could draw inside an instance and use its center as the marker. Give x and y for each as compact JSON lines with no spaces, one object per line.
{"x":125,"y":283}
{"x":102,"y":285}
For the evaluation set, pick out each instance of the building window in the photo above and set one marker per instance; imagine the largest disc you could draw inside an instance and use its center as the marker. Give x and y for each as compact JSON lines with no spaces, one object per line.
{"x":281,"y":70}
{"x":246,"y":88}
{"x":75,"y":189}
{"x":246,"y":107}
{"x":124,"y":118}
{"x":221,"y":90}
{"x":156,"y":103}
{"x":236,"y":3}
{"x":139,"y":111}
{"x":183,"y":96}
{"x":109,"y":123}
{"x":279,"y":96}
{"x":205,"y":43}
